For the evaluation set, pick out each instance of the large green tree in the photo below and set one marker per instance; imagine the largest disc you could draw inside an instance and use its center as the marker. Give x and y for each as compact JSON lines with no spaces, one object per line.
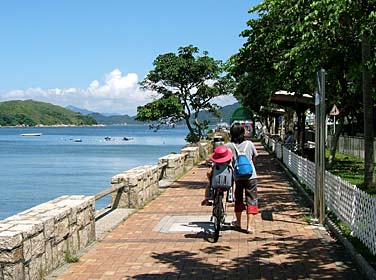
{"x":290,"y":40}
{"x":186,"y":83}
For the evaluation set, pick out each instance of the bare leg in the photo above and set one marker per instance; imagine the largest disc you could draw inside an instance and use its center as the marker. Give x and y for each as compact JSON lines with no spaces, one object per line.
{"x":250,"y":220}
{"x":206,"y":201}
{"x":238,"y":216}
{"x":207,"y":191}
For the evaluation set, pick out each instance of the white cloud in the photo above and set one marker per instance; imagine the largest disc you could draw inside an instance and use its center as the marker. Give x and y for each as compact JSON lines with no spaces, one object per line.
{"x":224,"y":100}
{"x":118,"y":94}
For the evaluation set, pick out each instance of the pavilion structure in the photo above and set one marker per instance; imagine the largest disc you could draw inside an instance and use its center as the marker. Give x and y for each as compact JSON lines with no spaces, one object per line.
{"x":299,"y":103}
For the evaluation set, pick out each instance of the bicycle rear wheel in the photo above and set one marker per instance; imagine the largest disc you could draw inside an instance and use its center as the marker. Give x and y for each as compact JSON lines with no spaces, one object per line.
{"x":218,"y":214}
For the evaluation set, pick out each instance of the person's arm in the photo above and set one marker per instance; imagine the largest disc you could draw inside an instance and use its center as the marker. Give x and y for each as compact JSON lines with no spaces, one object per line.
{"x":253,"y":151}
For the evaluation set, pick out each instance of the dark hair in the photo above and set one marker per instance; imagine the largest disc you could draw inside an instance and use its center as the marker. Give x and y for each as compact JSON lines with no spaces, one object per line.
{"x":237,"y":132}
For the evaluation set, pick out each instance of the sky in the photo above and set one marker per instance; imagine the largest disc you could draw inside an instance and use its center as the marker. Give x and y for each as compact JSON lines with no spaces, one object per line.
{"x":92,"y":54}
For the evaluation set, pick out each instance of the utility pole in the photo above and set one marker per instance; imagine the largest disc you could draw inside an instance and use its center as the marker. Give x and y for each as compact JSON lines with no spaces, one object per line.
{"x":319,"y":206}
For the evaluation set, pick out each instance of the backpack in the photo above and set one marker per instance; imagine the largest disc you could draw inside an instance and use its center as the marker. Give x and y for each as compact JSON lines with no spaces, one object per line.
{"x":242,"y":165}
{"x":222,"y":176}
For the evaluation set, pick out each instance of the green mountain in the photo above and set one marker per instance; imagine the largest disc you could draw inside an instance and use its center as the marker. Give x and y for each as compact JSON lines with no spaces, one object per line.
{"x":225,"y":115}
{"x":32,"y":113}
{"x":115,"y":119}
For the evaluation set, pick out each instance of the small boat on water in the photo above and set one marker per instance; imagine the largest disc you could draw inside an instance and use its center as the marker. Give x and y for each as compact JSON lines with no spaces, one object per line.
{"x":75,"y":140}
{"x":31,"y":134}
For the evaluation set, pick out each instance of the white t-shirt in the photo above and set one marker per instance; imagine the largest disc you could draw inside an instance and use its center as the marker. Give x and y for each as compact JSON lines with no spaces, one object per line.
{"x":250,"y":152}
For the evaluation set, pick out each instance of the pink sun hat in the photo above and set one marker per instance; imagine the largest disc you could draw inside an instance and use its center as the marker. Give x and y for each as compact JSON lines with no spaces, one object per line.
{"x":221,"y":154}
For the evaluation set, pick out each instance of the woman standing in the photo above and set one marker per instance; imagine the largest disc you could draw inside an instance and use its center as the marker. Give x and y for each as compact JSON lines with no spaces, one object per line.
{"x":248,"y":185}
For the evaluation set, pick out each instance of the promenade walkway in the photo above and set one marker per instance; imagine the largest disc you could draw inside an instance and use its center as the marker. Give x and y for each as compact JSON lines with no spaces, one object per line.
{"x":167,"y":239}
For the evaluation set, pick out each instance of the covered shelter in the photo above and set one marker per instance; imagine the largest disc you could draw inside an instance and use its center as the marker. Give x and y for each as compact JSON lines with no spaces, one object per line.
{"x":300,"y":103}
{"x":273,"y":119}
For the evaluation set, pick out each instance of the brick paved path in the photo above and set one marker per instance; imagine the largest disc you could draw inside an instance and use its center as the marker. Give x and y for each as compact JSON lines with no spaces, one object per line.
{"x":283,"y":246}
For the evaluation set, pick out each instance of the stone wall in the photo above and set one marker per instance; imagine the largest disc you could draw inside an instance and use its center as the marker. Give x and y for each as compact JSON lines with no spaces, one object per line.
{"x":140,"y":184}
{"x":36,"y":241}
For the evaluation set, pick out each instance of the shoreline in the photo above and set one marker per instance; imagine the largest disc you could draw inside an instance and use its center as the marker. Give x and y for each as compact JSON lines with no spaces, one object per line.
{"x":66,"y":125}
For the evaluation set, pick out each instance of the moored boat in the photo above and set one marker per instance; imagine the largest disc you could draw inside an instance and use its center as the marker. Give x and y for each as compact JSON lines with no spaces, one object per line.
{"x":31,"y":134}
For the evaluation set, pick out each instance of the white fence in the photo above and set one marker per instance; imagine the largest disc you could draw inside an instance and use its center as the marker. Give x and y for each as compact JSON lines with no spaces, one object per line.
{"x":351,"y":205}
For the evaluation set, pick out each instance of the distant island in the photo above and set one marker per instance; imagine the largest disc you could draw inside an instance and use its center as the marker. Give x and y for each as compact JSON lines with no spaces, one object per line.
{"x":35,"y":113}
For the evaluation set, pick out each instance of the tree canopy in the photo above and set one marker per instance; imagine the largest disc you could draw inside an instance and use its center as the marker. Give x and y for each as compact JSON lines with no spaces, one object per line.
{"x":290,"y":41}
{"x":185,"y":83}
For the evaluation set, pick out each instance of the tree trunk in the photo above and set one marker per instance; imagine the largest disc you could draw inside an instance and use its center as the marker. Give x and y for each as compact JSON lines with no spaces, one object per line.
{"x":197,"y":125}
{"x":368,"y":114}
{"x":333,"y":147}
{"x":189,"y":125}
{"x":301,"y":127}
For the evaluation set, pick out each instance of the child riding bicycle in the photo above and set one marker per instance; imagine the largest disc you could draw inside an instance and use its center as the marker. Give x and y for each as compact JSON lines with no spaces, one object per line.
{"x":221,"y":159}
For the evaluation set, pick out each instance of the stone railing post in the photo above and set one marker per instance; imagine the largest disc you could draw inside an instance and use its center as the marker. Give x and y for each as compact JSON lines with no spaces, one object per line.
{"x":192,"y":156}
{"x":206,"y":148}
{"x":139,"y":185}
{"x":174,"y":166}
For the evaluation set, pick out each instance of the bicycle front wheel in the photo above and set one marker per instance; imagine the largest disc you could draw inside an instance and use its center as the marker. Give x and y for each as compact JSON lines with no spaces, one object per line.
{"x":218,"y":214}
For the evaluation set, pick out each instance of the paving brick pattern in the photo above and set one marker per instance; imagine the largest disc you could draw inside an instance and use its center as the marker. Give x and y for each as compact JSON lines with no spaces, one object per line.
{"x":283,"y":246}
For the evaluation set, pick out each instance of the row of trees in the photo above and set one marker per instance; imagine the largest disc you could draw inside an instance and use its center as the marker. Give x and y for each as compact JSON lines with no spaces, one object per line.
{"x":290,"y":41}
{"x":286,"y":45}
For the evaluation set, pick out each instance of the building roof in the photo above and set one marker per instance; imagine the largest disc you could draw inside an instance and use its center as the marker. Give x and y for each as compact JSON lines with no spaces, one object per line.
{"x":291,"y":99}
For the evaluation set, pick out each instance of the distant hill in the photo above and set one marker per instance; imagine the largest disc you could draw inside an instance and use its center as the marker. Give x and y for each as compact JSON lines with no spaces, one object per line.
{"x":226,"y":113}
{"x":79,"y":110}
{"x":106,"y":119}
{"x":32,"y":113}
{"x":115,"y":119}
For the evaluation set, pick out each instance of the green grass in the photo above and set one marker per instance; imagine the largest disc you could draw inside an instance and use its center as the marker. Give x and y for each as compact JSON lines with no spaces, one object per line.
{"x":349,"y":168}
{"x":69,"y":258}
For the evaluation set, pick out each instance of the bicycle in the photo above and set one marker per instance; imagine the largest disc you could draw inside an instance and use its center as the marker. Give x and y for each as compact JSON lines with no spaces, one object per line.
{"x":218,"y":214}
{"x":221,"y":179}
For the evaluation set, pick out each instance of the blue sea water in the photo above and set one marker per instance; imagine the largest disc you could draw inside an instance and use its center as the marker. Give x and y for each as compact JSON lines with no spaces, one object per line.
{"x":35,"y":169}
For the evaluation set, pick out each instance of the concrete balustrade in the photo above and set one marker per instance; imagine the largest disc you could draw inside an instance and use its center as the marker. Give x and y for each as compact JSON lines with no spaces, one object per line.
{"x":36,"y":241}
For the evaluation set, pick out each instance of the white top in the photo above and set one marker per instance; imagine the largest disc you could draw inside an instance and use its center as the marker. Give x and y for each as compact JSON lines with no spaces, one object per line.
{"x":250,"y":152}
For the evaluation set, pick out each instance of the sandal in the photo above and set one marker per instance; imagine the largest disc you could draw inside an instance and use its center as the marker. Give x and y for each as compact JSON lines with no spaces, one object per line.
{"x":235,"y":224}
{"x":206,"y":202}
{"x":249,"y":231}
